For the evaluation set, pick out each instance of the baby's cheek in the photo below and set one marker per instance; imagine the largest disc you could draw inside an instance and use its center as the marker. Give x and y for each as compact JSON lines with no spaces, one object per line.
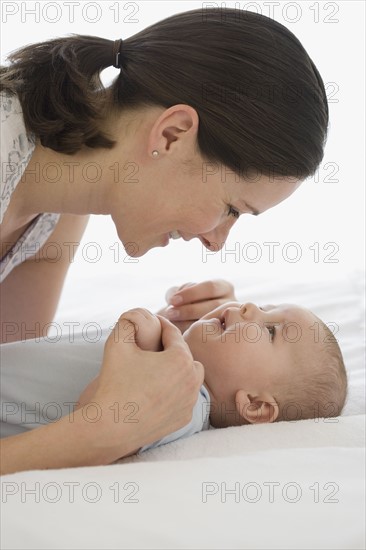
{"x":193,"y":337}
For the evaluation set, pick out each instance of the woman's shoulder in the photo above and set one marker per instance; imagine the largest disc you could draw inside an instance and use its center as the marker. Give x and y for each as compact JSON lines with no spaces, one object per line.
{"x":11,"y":113}
{"x":11,"y":117}
{"x":9,"y":104}
{"x":17,"y":147}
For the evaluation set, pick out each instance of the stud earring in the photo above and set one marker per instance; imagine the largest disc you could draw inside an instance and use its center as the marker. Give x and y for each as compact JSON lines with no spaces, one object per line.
{"x":155,"y":153}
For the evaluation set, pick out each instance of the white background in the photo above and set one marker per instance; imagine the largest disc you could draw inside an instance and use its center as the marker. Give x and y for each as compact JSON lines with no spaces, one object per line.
{"x":326,"y":209}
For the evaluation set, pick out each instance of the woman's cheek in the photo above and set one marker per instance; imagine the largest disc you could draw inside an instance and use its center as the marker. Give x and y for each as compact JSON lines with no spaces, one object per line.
{"x":203,"y":222}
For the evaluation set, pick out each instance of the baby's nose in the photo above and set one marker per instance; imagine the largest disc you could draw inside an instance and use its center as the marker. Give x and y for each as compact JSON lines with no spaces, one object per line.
{"x":249,"y":310}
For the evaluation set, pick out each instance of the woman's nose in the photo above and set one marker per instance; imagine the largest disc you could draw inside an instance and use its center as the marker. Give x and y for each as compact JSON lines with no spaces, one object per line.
{"x":216,"y":238}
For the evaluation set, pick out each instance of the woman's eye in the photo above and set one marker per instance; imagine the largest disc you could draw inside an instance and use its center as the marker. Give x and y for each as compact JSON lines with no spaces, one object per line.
{"x":233,"y":212}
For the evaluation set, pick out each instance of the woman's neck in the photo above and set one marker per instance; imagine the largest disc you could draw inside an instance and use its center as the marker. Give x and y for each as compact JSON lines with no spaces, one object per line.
{"x":60,"y":183}
{"x":91,"y":181}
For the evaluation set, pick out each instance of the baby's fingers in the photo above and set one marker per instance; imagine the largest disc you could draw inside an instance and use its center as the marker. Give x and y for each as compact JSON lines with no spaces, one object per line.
{"x":192,"y":312}
{"x":207,"y":290}
{"x":174,"y":289}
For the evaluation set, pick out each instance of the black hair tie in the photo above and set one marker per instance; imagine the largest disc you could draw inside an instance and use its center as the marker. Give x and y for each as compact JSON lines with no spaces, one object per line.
{"x":117,"y":53}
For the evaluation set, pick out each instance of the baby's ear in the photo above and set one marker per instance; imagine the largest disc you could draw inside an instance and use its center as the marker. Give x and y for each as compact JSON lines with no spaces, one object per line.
{"x":256,"y":408}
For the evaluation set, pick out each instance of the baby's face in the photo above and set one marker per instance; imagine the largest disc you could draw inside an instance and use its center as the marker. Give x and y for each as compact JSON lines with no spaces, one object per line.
{"x":242,"y":346}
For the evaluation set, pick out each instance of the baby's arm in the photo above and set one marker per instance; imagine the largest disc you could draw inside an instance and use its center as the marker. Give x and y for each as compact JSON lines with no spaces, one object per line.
{"x":148,"y":338}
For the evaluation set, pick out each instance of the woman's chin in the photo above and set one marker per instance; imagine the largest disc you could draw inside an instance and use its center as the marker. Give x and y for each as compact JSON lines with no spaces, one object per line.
{"x":161,"y":242}
{"x":135,"y":250}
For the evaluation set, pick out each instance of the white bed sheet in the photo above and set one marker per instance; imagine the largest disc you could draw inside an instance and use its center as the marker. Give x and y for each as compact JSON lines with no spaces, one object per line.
{"x":317,"y":502}
{"x":315,"y":468}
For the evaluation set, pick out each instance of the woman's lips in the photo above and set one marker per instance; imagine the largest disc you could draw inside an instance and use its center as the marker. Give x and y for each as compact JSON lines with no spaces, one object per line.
{"x":165,"y":240}
{"x":172,"y":235}
{"x":175,"y":235}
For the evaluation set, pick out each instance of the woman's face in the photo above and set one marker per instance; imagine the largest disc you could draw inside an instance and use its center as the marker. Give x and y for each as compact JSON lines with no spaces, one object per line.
{"x":196,"y":209}
{"x":165,"y":198}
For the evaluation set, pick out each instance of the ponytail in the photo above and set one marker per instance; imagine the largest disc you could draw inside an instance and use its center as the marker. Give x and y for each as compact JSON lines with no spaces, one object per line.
{"x":60,"y":90}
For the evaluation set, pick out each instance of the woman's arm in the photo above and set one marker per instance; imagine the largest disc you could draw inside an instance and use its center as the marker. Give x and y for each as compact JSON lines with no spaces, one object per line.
{"x":31,"y":292}
{"x":71,"y":441}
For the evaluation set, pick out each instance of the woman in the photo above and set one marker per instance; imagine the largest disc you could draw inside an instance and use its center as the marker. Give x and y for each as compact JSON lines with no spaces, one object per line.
{"x":214,"y":113}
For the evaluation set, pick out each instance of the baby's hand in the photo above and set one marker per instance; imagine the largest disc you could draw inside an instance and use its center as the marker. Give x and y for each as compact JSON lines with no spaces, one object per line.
{"x":197,"y":299}
{"x":148,"y":328}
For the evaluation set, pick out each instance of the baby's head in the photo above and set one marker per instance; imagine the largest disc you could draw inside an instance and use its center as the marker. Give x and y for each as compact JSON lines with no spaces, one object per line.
{"x":266,"y":364}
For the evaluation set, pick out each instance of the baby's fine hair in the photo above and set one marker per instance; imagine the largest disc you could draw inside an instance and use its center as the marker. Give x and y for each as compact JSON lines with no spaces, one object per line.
{"x":319,"y":387}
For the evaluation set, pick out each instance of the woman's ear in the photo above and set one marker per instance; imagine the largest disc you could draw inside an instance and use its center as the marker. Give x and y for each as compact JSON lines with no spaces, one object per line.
{"x":256,"y":408}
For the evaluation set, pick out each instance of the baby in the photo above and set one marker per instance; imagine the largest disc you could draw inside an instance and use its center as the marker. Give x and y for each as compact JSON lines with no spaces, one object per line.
{"x":262,"y":364}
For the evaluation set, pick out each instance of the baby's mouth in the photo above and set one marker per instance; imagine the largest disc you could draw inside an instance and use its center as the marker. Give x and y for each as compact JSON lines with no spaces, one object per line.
{"x":220,"y":322}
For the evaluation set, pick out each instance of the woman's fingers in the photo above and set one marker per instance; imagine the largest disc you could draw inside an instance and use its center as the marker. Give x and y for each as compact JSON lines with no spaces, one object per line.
{"x":172,"y":339}
{"x":128,"y":324}
{"x":171,"y":336}
{"x":122,"y":339}
{"x":148,"y":329}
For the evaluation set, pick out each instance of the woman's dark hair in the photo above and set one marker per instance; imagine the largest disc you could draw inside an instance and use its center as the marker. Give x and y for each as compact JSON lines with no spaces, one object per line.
{"x":260,"y":99}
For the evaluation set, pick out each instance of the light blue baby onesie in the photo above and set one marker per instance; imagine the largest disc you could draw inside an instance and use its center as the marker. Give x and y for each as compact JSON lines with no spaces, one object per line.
{"x":199,"y":422}
{"x":40,"y":381}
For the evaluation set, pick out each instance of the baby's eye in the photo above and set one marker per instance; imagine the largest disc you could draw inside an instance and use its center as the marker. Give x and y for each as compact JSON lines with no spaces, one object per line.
{"x":233,"y":212}
{"x":272,"y":331}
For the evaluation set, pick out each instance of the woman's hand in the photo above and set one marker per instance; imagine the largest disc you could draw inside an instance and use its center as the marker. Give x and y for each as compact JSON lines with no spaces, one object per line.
{"x":147,"y":328}
{"x":147,"y":334}
{"x":143,"y":395}
{"x":197,"y":299}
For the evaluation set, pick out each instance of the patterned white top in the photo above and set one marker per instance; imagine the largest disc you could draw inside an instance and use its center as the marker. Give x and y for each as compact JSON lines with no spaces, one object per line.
{"x":16,"y":150}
